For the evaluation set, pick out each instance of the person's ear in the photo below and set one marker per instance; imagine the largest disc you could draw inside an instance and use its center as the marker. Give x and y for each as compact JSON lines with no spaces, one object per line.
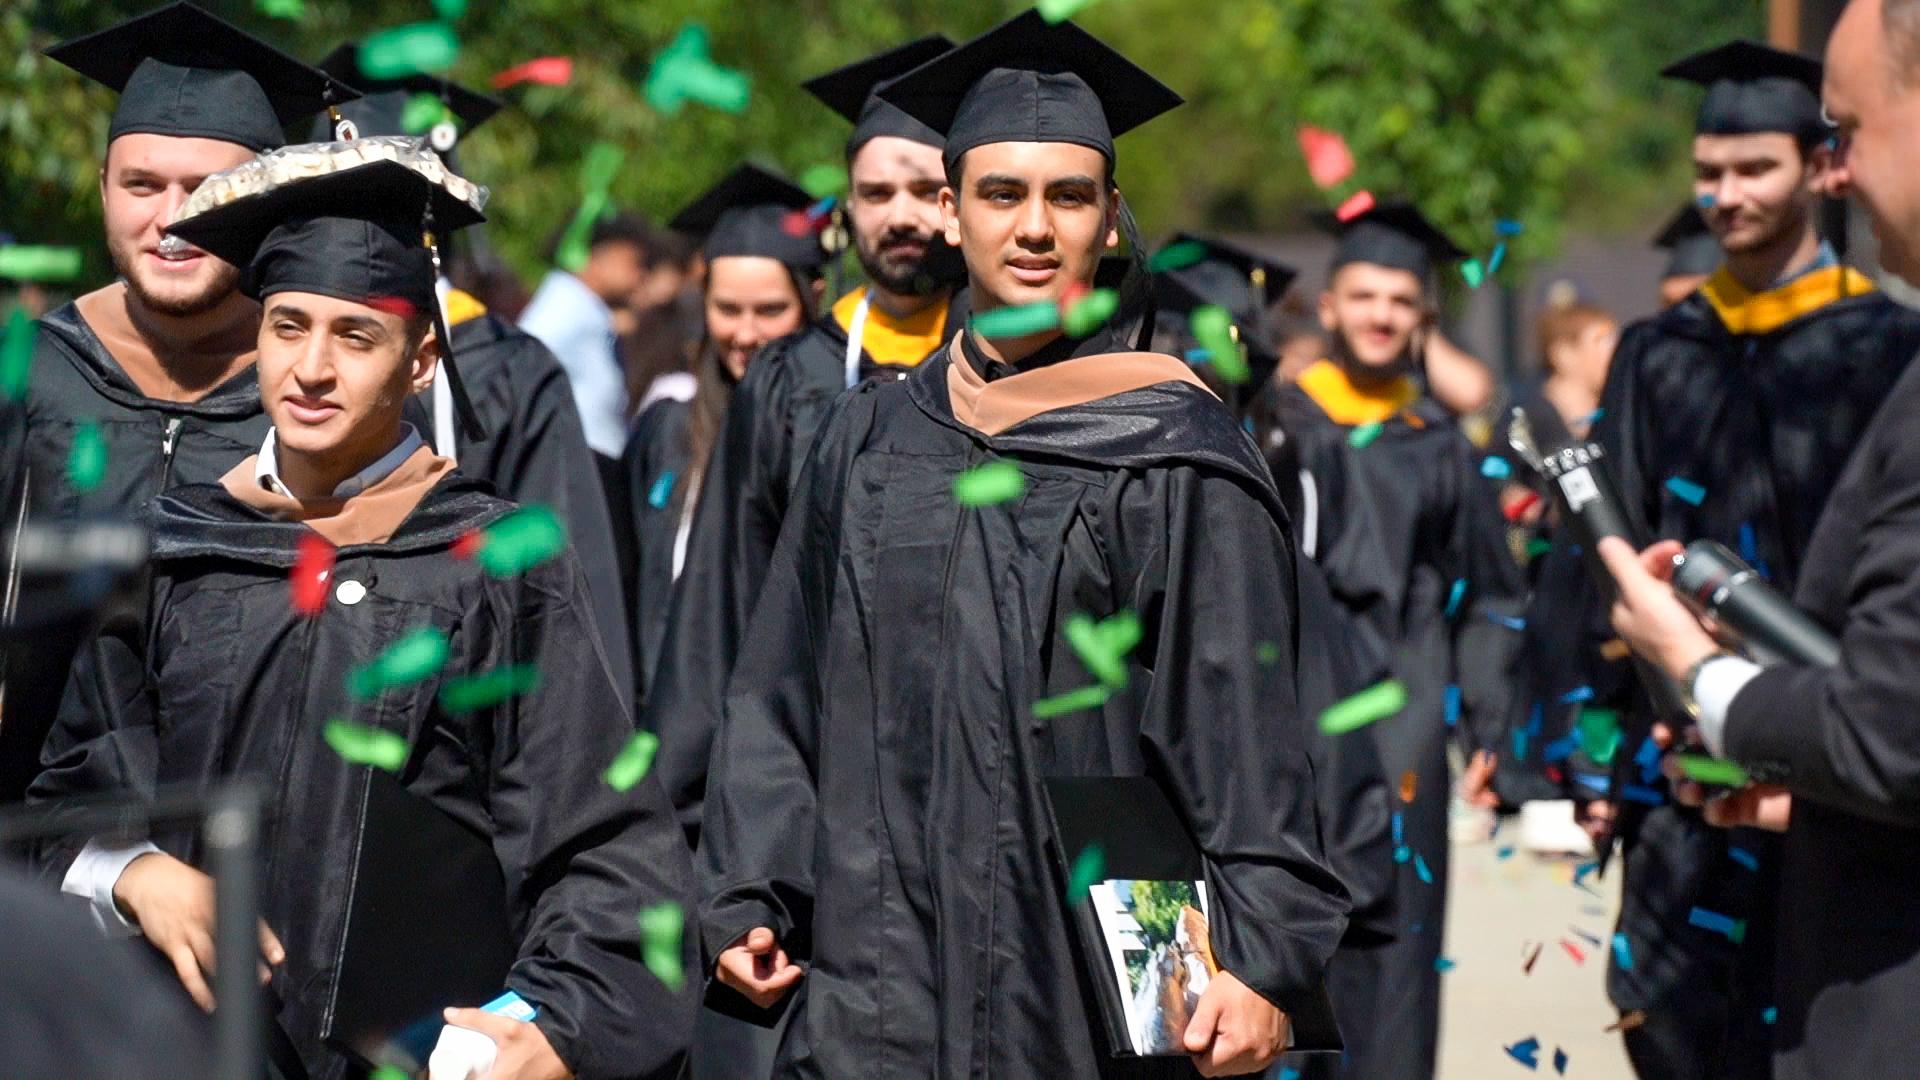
{"x":424,"y":362}
{"x":950,"y":215}
{"x":1327,"y":320}
{"x":818,"y":287}
{"x":1819,"y":167}
{"x":1113,"y":218}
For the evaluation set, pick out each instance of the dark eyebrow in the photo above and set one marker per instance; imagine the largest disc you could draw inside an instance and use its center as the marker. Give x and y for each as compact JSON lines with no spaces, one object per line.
{"x":1072,"y":182}
{"x":998,"y":180}
{"x":359,"y":322}
{"x":286,"y":310}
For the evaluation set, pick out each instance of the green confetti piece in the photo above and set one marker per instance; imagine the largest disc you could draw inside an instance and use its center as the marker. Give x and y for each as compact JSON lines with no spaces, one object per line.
{"x":1177,"y":256}
{"x":521,"y":541}
{"x":1711,"y":770}
{"x":36,"y":262}
{"x":1088,"y":868}
{"x":282,"y":9}
{"x":388,"y":1072}
{"x":661,"y":929}
{"x":1087,"y":697}
{"x":1538,"y":546}
{"x":1267,"y":653}
{"x":1055,"y":11}
{"x":1090,"y":312}
{"x":1212,"y":327}
{"x":1376,"y":702}
{"x":597,"y":172}
{"x":414,"y":657}
{"x":87,"y":457}
{"x":1362,"y":437}
{"x":990,"y":484}
{"x":823,"y":180}
{"x":601,"y":167}
{"x":450,"y":10}
{"x":363,"y":745}
{"x":684,"y":72}
{"x":1473,"y":272}
{"x":421,"y":112}
{"x":408,"y":50}
{"x":633,"y":761}
{"x":1599,"y":734}
{"x":1013,"y":322}
{"x":1103,"y":646}
{"x":16,"y":353}
{"x":478,"y":691}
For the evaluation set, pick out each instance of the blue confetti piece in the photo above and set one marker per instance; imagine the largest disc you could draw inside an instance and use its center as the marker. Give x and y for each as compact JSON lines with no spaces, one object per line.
{"x":1247,"y":425}
{"x":1622,"y":952}
{"x":1519,"y":744}
{"x":1745,"y":858}
{"x":1648,"y":758}
{"x":823,"y":207}
{"x":1420,"y":867}
{"x":1508,"y":227}
{"x":1495,"y":468}
{"x":1402,"y":853}
{"x":1577,"y":695}
{"x":1642,"y":794}
{"x":1560,"y":749}
{"x":1770,"y":1014}
{"x":1499,"y":256}
{"x":1560,"y":1061}
{"x":1453,"y":705}
{"x":1511,"y":622}
{"x":1585,"y":870}
{"x":1596,"y":782}
{"x":1536,"y":719}
{"x":1504,"y":852}
{"x":1289,"y":1073}
{"x":1526,"y":1052}
{"x":1199,"y":356}
{"x":1455,"y":595}
{"x":1704,"y":202}
{"x":1398,"y":829}
{"x":1749,"y":544}
{"x":1734,"y":929}
{"x":662,"y":491}
{"x":1686,"y":491}
{"x":1443,"y":964}
{"x":1584,"y":936}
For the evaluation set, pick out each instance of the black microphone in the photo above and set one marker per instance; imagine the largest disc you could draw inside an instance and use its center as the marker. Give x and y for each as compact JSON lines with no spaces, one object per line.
{"x":1751,"y":614}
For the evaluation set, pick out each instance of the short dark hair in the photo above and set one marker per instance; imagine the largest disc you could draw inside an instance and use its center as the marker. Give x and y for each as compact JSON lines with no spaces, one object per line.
{"x":620,"y":227}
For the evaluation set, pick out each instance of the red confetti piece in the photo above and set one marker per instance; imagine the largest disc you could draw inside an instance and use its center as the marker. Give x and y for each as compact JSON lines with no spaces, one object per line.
{"x":1359,"y":203}
{"x":469,"y":544}
{"x":546,"y":71}
{"x":1519,"y":507}
{"x":1579,"y":956}
{"x":312,"y":568}
{"x":1328,"y":159}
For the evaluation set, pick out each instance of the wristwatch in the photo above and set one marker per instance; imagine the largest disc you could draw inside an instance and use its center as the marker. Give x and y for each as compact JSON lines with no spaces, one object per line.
{"x":1693,"y":676}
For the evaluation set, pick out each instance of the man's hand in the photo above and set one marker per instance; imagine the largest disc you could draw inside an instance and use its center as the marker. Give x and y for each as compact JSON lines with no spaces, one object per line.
{"x":173,"y":905}
{"x":758,"y":967}
{"x":1759,"y":806}
{"x":1647,"y":614}
{"x":1234,"y":1030}
{"x":1476,"y":783}
{"x":525,"y":1053}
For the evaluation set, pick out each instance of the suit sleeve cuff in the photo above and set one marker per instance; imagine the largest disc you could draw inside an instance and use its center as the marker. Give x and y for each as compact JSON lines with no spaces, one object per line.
{"x":94,"y":873}
{"x":1720,"y":681}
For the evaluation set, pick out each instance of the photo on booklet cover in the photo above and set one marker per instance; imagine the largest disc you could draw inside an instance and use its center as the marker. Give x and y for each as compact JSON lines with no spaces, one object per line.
{"x":1157,"y":939}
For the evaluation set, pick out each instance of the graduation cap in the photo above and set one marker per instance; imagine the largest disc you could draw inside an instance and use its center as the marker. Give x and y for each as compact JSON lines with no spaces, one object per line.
{"x":746,"y":214}
{"x":351,"y":220}
{"x":1753,"y":89}
{"x":383,"y":108}
{"x":850,"y":91}
{"x":1029,"y":80}
{"x":1391,"y":234}
{"x":1691,"y":246}
{"x":1233,"y":276}
{"x":185,"y":73}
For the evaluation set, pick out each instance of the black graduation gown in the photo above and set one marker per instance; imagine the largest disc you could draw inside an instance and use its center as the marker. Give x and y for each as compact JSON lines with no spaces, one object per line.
{"x":1763,"y":422}
{"x":150,"y":445}
{"x":1845,"y":741}
{"x":536,"y":452}
{"x":1398,"y":522}
{"x":770,"y":425}
{"x":222,"y":677}
{"x":876,"y":794}
{"x":658,"y":481}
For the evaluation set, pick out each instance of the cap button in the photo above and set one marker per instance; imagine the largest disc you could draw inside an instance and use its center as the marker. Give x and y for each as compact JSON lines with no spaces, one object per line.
{"x":350,"y":592}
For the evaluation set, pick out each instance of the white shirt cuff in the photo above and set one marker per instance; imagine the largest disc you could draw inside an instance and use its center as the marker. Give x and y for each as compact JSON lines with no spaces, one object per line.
{"x":1720,"y":680}
{"x":94,"y":873}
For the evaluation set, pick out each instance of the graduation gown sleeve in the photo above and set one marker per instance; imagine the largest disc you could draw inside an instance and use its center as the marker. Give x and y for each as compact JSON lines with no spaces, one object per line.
{"x":582,"y":860}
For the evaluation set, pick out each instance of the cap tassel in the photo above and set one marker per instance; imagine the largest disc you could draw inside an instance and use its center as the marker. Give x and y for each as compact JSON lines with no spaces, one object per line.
{"x":470,"y":427}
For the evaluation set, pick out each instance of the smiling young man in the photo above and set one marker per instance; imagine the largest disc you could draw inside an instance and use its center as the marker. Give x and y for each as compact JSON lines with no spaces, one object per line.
{"x":877,"y":807}
{"x":156,"y":369}
{"x":906,"y":310}
{"x":219,"y":675}
{"x":1411,"y":542}
{"x":1727,"y":417}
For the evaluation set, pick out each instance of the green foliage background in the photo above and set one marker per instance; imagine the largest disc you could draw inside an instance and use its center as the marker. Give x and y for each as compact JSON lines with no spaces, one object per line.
{"x":1545,"y":111}
{"x":1156,"y":907}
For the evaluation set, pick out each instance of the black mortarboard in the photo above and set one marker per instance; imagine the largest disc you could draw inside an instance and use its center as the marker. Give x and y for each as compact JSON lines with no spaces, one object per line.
{"x":1233,"y":276}
{"x":748,"y":213}
{"x":354,"y":232}
{"x":1028,"y":80}
{"x":1752,"y":89}
{"x":183,"y":72}
{"x":1692,"y":247}
{"x":381,"y":110}
{"x":850,"y":91}
{"x":1391,"y":234}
